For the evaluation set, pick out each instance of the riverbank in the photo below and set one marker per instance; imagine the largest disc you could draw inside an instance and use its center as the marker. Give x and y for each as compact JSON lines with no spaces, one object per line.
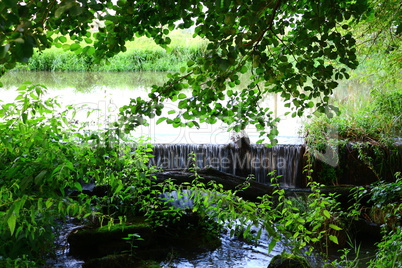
{"x":142,"y":55}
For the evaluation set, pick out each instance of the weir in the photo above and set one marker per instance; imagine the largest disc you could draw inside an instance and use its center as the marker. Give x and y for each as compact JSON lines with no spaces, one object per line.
{"x":258,"y":160}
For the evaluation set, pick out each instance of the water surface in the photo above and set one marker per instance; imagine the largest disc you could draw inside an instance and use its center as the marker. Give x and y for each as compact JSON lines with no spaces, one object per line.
{"x":107,"y":92}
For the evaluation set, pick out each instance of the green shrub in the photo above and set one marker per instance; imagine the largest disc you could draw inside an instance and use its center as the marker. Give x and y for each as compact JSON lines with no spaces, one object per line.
{"x":389,"y":252}
{"x":389,"y":105}
{"x":383,"y":193}
{"x":44,"y":159}
{"x":376,"y":120}
{"x":38,"y":166}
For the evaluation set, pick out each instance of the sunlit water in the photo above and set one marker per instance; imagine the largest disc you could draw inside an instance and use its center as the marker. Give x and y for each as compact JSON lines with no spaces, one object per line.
{"x":107,"y":92}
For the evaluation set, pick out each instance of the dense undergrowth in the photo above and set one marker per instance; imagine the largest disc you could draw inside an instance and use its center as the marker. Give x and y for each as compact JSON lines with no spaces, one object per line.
{"x":369,"y":127}
{"x":378,"y":119}
{"x":369,"y":124}
{"x":46,"y":160}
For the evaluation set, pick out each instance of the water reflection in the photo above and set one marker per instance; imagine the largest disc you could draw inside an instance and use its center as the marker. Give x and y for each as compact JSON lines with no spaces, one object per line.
{"x":85,"y":82}
{"x":107,"y":92}
{"x":233,"y":253}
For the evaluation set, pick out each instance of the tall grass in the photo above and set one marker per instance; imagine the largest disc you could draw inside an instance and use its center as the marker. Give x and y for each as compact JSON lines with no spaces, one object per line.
{"x":142,"y":55}
{"x":378,"y":118}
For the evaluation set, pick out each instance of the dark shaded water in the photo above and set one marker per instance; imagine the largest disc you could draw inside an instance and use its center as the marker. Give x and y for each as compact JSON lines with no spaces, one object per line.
{"x":62,"y":259}
{"x":233,"y":253}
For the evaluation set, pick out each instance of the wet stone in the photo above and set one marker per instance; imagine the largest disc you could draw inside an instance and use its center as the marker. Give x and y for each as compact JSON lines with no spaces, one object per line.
{"x":287,"y":260}
{"x":107,"y":245}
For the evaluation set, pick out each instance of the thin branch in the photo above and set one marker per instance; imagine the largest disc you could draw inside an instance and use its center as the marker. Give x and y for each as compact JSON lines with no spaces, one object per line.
{"x":257,"y":40}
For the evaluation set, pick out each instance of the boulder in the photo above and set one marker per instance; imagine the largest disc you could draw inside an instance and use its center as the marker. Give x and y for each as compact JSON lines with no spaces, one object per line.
{"x":288,"y":260}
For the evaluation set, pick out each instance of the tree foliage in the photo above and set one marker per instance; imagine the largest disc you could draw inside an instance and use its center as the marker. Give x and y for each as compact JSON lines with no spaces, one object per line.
{"x":296,"y":48}
{"x":379,"y":44}
{"x":382,"y":28}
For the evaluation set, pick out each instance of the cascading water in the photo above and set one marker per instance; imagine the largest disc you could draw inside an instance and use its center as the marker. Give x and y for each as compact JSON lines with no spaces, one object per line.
{"x":259,"y":160}
{"x":286,"y":160}
{"x":62,"y":259}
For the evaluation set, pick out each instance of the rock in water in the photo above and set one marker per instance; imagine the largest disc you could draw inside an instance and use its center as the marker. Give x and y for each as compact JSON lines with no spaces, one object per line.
{"x":240,"y":140}
{"x":287,"y":260}
{"x":241,"y":158}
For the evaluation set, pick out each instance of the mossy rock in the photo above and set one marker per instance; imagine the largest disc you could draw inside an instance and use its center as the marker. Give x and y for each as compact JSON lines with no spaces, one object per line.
{"x":155,"y":243}
{"x":287,"y":260}
{"x":99,"y":242}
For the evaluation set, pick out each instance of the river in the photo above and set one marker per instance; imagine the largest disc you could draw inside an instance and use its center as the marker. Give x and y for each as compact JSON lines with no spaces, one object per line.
{"x":107,"y":92}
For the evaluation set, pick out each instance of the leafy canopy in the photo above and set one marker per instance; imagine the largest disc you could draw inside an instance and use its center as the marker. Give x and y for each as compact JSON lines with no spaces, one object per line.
{"x":296,"y":48}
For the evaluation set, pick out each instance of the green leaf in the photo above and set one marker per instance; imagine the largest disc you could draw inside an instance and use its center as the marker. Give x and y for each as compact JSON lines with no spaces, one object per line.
{"x":334,"y":239}
{"x":118,"y":189}
{"x":182,"y":96}
{"x":74,"y":46}
{"x":12,"y":221}
{"x":78,"y":186}
{"x":171,"y":112}
{"x":283,"y":58}
{"x":61,"y":10}
{"x":244,"y":69}
{"x":40,"y":204}
{"x":182,"y":105}
{"x":327,"y":214}
{"x":70,"y":165}
{"x":76,"y":11}
{"x":62,"y":39}
{"x":171,"y":27}
{"x":38,"y":179}
{"x":48,"y":203}
{"x":90,"y":51}
{"x":289,"y":222}
{"x":335,"y":227}
{"x":160,"y":120}
{"x":271,"y":245}
{"x":24,"y":117}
